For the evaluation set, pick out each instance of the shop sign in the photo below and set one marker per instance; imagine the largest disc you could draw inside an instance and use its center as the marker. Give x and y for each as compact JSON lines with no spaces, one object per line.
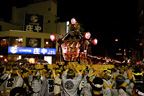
{"x":33,"y":42}
{"x":31,"y":50}
{"x":33,"y":23}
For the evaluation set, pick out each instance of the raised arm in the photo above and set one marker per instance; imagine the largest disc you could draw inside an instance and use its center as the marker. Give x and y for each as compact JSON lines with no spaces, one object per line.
{"x":54,"y":73}
{"x":65,"y":74}
{"x":92,"y":74}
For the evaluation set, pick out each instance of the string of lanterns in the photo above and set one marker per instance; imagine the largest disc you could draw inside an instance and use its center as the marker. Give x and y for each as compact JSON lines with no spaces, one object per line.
{"x":105,"y":59}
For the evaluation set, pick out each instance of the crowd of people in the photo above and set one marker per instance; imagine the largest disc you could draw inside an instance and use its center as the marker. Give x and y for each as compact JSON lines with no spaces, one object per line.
{"x":68,"y":80}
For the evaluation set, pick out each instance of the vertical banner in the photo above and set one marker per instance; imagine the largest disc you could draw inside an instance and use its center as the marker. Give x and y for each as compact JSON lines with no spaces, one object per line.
{"x":50,"y":86}
{"x":33,"y":23}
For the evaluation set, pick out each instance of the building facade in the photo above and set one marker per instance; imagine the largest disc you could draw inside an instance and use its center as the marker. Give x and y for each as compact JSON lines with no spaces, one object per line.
{"x":41,"y":20}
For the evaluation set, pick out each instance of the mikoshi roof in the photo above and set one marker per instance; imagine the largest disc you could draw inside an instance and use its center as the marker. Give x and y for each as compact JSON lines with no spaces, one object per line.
{"x":72,"y":36}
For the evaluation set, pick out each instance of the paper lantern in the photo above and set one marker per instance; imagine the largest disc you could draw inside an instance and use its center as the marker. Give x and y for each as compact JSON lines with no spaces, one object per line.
{"x":73,"y":21}
{"x":52,"y":37}
{"x":65,"y":50}
{"x":87,"y":35}
{"x":95,"y":41}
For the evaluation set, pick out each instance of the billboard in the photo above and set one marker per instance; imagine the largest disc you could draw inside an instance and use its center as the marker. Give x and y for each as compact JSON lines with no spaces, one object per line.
{"x":33,"y":23}
{"x":31,"y":50}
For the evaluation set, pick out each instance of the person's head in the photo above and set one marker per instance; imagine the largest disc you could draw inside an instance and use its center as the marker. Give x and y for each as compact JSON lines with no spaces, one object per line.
{"x":1,"y":70}
{"x":125,"y":68}
{"x":85,"y":72}
{"x":15,"y":69}
{"x":107,"y":74}
{"x":138,"y":90}
{"x":8,"y":71}
{"x":18,"y":91}
{"x":61,"y":68}
{"x":65,"y":67}
{"x":97,"y":84}
{"x":41,"y":72}
{"x":141,"y":68}
{"x":48,"y":73}
{"x":70,"y":74}
{"x":30,"y":72}
{"x":57,"y":66}
{"x":25,"y":73}
{"x":121,"y":70}
{"x":33,"y":72}
{"x":113,"y":70}
{"x":138,"y":74}
{"x":58,"y":75}
{"x":119,"y":80}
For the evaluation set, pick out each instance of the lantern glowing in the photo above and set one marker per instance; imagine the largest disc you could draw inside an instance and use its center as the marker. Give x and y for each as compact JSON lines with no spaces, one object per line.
{"x":65,"y":50}
{"x":87,"y":35}
{"x":73,"y":21}
{"x":116,"y":40}
{"x":95,"y":41}
{"x":52,"y":37}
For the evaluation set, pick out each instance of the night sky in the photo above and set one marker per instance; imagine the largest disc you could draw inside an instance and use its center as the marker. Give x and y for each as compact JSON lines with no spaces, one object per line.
{"x":105,"y":19}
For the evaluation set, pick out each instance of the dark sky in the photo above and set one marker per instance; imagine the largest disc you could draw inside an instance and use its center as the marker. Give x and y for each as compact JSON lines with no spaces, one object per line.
{"x":105,"y":19}
{"x":114,"y":17}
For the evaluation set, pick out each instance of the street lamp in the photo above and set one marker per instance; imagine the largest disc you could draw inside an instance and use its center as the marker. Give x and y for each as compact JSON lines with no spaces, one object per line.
{"x":116,"y":40}
{"x":141,"y":44}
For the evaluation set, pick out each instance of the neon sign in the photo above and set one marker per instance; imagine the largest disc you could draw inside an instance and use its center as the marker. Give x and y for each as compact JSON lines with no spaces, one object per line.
{"x":31,"y":50}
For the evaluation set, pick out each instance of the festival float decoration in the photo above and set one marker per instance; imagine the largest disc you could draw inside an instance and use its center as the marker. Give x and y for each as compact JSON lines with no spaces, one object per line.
{"x":74,"y":46}
{"x":95,"y":41}
{"x":52,"y":37}
{"x":87,"y":35}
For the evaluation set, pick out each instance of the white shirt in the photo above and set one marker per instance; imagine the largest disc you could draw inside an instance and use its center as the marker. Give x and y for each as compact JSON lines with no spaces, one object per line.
{"x":57,"y":87}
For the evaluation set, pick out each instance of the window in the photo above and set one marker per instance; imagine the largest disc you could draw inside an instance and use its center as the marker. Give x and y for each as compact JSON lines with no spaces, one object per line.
{"x":0,"y":28}
{"x":16,"y":41}
{"x":48,"y":21}
{"x":55,"y":21}
{"x":49,"y":9}
{"x":4,"y":41}
{"x":49,"y":44}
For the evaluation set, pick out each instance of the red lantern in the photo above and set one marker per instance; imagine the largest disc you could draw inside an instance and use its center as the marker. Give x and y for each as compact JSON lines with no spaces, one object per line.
{"x":73,"y":21}
{"x":87,"y":35}
{"x":95,"y":41}
{"x":52,"y":37}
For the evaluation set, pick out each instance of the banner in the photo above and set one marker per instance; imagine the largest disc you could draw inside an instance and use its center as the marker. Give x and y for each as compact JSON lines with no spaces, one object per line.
{"x":33,"y":23}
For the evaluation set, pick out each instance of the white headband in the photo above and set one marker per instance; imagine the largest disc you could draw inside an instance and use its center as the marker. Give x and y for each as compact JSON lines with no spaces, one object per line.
{"x":109,"y":74}
{"x":139,"y":92}
{"x":98,"y":85}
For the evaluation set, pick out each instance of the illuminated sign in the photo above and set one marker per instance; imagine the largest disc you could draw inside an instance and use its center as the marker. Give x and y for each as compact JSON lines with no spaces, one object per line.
{"x":31,"y":50}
